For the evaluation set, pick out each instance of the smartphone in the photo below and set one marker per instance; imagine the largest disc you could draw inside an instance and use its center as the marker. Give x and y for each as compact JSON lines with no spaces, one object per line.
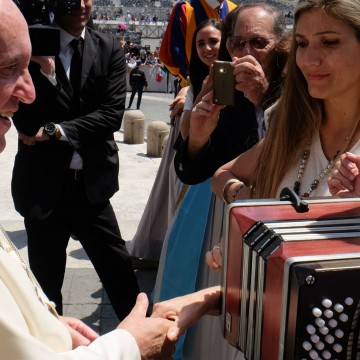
{"x":223,"y":83}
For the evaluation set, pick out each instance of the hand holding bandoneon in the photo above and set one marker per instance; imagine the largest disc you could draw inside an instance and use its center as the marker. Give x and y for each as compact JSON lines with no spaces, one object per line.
{"x":231,"y":189}
{"x":214,"y":257}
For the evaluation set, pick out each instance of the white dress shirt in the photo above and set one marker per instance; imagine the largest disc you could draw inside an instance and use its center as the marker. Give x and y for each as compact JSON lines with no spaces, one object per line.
{"x":66,"y":53}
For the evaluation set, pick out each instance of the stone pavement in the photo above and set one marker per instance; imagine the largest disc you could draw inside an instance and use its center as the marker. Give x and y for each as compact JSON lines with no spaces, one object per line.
{"x":83,"y":294}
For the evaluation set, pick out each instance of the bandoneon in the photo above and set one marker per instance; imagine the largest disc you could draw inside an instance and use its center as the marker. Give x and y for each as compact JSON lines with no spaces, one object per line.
{"x":291,"y":281}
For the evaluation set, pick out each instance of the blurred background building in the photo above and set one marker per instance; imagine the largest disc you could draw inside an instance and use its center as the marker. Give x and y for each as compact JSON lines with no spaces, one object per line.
{"x":144,"y":21}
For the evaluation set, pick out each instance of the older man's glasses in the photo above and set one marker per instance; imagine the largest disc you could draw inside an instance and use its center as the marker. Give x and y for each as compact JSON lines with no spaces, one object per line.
{"x":238,"y":43}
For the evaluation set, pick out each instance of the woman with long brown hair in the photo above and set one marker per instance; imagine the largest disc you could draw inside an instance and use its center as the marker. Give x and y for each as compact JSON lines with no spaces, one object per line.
{"x":317,"y":116}
{"x":315,"y":120}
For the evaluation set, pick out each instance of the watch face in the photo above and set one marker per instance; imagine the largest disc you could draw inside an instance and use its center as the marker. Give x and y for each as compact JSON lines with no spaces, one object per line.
{"x":50,"y":128}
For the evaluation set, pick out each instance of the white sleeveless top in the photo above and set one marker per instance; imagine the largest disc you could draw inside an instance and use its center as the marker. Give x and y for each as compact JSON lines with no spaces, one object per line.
{"x":315,"y":164}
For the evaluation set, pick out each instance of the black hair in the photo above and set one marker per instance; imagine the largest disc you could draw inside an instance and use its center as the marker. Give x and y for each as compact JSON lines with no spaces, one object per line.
{"x":197,"y":69}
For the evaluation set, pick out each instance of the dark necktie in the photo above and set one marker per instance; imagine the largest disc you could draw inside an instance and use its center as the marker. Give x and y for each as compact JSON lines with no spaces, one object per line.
{"x":75,"y":67}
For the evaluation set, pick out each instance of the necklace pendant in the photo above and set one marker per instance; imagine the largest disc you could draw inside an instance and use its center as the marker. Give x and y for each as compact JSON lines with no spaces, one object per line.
{"x":314,"y":185}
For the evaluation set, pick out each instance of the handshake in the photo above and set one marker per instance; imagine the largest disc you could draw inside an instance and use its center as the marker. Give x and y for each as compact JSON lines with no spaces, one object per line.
{"x":156,"y":335}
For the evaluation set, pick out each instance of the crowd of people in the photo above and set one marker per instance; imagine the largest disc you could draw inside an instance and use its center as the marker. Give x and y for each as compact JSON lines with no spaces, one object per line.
{"x":148,"y":61}
{"x":141,"y":3}
{"x":144,"y":18}
{"x":258,"y":45}
{"x":295,"y":116}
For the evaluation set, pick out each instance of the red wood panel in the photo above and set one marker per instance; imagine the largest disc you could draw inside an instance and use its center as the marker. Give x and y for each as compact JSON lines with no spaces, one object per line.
{"x":241,"y":219}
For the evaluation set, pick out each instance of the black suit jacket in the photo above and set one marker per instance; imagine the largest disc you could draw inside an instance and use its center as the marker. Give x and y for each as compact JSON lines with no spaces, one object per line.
{"x":40,"y":170}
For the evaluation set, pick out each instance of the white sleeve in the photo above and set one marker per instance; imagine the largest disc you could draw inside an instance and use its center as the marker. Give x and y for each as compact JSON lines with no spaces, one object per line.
{"x":51,"y":78}
{"x":19,"y":344}
{"x":28,"y":331}
{"x":189,"y":99}
{"x":115,"y":345}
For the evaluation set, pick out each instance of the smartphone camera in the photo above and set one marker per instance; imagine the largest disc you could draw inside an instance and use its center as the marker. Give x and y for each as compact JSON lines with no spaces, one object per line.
{"x":223,"y":83}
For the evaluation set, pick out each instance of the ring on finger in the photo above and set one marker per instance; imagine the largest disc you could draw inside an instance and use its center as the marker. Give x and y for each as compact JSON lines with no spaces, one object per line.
{"x":215,"y":248}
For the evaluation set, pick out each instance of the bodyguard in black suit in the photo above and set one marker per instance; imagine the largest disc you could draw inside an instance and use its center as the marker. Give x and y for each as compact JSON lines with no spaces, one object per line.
{"x":67,"y":164}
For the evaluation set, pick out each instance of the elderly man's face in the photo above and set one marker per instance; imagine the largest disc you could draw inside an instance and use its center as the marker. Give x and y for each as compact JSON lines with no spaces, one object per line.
{"x":15,"y":81}
{"x":253,"y":35}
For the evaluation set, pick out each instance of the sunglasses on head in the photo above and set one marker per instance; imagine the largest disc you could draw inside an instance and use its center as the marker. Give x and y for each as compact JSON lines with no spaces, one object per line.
{"x":238,"y":43}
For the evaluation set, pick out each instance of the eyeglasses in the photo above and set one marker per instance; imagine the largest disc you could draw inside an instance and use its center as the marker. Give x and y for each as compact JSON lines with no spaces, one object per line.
{"x":238,"y":43}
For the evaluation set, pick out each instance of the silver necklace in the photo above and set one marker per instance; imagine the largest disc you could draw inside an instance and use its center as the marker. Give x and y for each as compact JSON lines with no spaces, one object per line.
{"x":304,"y":159}
{"x":314,"y":185}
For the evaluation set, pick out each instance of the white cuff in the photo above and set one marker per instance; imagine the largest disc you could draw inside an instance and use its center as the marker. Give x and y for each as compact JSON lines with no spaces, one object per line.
{"x":51,"y":78}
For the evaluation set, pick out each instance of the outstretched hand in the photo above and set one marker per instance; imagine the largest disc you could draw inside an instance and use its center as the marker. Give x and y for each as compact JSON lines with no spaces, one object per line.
{"x":149,"y":333}
{"x":188,"y":309}
{"x":344,"y":180}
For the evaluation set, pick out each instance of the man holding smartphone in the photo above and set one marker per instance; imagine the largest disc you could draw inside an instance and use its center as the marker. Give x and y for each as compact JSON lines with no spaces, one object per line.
{"x":251,"y":34}
{"x":175,"y":54}
{"x":257,"y":29}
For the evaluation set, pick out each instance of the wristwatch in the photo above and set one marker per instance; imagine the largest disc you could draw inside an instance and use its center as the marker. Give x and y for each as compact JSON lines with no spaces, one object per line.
{"x":50,"y":129}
